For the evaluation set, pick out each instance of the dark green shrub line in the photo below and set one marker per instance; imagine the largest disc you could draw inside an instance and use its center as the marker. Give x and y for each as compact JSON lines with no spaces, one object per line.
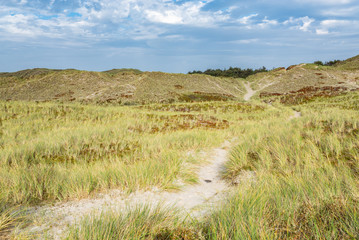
{"x":329,"y":63}
{"x":231,"y":72}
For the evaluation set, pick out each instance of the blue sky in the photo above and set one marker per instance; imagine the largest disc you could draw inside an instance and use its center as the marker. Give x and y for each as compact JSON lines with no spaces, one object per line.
{"x":175,"y":35}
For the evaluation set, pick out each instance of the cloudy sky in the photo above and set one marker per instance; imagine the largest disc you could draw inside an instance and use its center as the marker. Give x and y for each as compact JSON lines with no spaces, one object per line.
{"x":175,"y":35}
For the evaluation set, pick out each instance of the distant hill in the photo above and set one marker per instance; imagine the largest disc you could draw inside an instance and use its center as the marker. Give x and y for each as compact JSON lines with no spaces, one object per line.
{"x":343,"y":76}
{"x":121,"y":86}
{"x":349,"y":64}
{"x":131,"y":86}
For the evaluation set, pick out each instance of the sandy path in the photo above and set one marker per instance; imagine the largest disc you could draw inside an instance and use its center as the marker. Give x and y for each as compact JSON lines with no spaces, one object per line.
{"x":194,"y":200}
{"x":250,"y":91}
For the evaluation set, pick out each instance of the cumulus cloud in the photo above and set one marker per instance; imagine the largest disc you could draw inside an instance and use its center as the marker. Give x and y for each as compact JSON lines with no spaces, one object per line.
{"x":126,"y":18}
{"x":189,"y":13}
{"x":267,"y":22}
{"x":31,"y":25}
{"x":141,"y":19}
{"x":162,"y":26}
{"x":302,"y":23}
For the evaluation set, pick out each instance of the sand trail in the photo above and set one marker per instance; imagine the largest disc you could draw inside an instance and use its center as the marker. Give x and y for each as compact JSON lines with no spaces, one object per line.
{"x":250,"y":92}
{"x":193,"y":200}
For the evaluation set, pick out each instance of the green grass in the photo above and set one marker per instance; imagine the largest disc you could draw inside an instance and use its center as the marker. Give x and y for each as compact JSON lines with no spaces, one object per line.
{"x":10,"y":217}
{"x":307,"y":181}
{"x":349,"y":64}
{"x":52,"y":152}
{"x":306,"y":184}
{"x":143,"y":222}
{"x":306,"y":169}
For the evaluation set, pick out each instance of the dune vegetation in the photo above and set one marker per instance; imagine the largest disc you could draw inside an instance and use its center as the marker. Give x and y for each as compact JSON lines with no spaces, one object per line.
{"x":306,"y":169}
{"x":305,"y":186}
{"x":56,"y":152}
{"x":293,"y":168}
{"x":53,"y":152}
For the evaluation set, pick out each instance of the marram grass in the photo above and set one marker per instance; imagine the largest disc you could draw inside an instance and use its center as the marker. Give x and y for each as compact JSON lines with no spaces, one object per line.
{"x":142,"y":222}
{"x":306,"y":169}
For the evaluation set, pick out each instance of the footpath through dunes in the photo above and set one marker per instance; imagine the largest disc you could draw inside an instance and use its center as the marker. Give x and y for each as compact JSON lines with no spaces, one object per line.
{"x":192,"y":200}
{"x":250,"y":93}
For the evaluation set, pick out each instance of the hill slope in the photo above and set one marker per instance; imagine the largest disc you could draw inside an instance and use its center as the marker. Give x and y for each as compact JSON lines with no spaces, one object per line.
{"x":130,"y":86}
{"x":119,"y":86}
{"x":300,"y":78}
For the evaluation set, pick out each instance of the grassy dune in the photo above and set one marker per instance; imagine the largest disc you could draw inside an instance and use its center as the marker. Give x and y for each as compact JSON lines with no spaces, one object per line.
{"x":56,"y":152}
{"x":116,"y":87}
{"x":305,"y":187}
{"x":306,"y":169}
{"x":307,"y":180}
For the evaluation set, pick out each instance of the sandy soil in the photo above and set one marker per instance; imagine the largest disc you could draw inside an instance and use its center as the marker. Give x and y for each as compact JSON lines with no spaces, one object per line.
{"x":250,"y":91}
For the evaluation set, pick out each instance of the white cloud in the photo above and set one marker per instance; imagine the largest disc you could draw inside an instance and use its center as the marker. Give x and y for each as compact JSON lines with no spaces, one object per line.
{"x":267,"y":22}
{"x":335,"y":23}
{"x":34,"y":26}
{"x":134,"y":19}
{"x":328,"y":26}
{"x":247,"y":19}
{"x":151,"y":19}
{"x":18,"y":25}
{"x":189,"y":13}
{"x":303,"y":23}
{"x":106,"y":10}
{"x":169,"y":16}
{"x":321,"y":31}
{"x":153,"y":11}
{"x":252,"y":21}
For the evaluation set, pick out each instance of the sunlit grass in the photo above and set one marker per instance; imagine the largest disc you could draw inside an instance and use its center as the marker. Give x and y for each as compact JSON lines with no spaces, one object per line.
{"x":306,"y":183}
{"x":142,"y":222}
{"x":305,"y":170}
{"x":60,"y":151}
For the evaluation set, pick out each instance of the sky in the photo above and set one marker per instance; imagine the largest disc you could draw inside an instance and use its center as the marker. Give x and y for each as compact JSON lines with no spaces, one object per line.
{"x":175,"y":35}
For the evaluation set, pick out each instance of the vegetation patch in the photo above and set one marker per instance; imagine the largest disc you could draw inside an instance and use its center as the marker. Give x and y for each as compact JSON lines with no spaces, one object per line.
{"x":202,"y":97}
{"x":234,"y":72}
{"x":181,"y":122}
{"x":206,"y":107}
{"x":144,"y":222}
{"x":306,"y":94}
